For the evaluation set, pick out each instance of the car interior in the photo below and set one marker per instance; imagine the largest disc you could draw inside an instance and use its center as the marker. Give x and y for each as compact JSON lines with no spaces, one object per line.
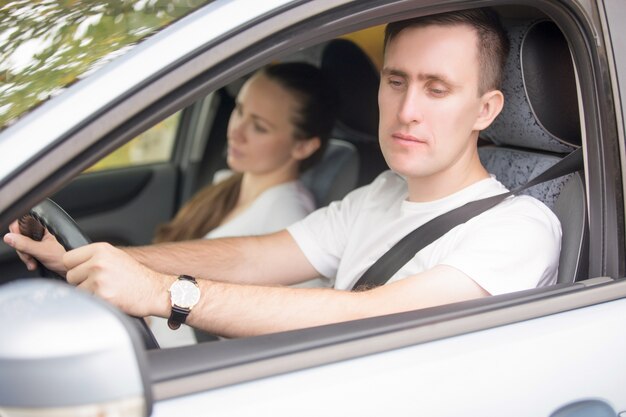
{"x":539,"y":125}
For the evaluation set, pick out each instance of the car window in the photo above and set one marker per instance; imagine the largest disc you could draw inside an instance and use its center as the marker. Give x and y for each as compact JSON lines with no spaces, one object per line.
{"x":152,"y":146}
{"x":157,"y":144}
{"x":46,"y":46}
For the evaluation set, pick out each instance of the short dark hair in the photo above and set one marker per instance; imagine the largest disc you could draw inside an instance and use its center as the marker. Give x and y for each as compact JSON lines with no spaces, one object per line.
{"x":318,"y":102}
{"x":493,"y":43}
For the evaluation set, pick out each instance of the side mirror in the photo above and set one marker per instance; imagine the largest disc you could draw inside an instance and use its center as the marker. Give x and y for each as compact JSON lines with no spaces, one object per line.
{"x":64,"y":352}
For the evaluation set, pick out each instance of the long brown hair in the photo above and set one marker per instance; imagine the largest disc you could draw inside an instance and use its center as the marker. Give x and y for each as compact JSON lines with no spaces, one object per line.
{"x":315,"y":118}
{"x":203,"y":213}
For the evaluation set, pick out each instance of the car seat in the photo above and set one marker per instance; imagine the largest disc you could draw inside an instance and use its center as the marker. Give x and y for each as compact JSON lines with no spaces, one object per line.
{"x":356,"y":78}
{"x":335,"y":175}
{"x":539,"y":124}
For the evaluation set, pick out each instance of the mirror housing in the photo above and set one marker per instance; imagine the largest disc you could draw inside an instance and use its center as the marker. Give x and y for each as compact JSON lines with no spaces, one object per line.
{"x":65,"y":352}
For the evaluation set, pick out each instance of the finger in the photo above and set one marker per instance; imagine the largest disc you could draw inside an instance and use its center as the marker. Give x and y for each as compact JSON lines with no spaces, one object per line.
{"x":29,"y":261}
{"x":47,"y":235}
{"x":79,"y":275}
{"x":23,"y":245}
{"x":85,"y":285}
{"x":9,"y":239}
{"x":75,"y":257}
{"x":20,"y":242}
{"x":14,"y":227}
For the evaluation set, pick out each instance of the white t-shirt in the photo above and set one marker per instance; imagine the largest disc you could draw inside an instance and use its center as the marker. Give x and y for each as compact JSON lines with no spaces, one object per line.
{"x":273,"y":210}
{"x":511,"y":247}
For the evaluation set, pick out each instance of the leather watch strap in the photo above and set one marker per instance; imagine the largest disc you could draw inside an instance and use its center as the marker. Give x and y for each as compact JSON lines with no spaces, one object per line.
{"x":187,"y":278}
{"x":179,"y":314}
{"x":177,"y":317}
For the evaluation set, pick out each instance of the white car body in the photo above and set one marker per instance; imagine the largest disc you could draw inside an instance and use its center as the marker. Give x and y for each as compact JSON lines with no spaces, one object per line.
{"x":512,"y":356}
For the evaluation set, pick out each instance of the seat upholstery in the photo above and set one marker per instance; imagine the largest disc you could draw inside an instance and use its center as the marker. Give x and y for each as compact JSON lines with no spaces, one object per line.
{"x":539,"y":125}
{"x":335,"y":175}
{"x":356,"y":78}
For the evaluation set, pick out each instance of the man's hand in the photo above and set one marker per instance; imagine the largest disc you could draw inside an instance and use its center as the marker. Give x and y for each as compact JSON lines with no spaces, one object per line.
{"x":48,"y":251}
{"x":118,"y":278}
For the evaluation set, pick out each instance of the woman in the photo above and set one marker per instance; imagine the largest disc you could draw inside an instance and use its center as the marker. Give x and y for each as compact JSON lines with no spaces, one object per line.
{"x":279,"y":127}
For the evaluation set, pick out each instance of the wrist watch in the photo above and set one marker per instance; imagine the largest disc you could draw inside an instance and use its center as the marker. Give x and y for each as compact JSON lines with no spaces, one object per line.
{"x":184,"y":295}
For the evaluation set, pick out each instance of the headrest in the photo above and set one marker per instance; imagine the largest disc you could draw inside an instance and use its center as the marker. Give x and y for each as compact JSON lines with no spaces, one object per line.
{"x":356,"y":79}
{"x":335,"y":175}
{"x":539,"y":86}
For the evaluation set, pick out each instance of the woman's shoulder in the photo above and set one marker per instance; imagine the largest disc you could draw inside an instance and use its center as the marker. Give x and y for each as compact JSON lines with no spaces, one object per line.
{"x":289,"y":195}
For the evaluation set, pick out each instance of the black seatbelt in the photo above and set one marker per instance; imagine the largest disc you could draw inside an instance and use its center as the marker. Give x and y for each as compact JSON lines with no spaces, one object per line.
{"x":403,"y":251}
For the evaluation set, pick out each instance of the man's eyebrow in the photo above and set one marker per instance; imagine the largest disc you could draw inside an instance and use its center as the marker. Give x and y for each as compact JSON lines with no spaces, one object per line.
{"x":422,"y":77}
{"x":393,"y":71}
{"x":436,"y":77}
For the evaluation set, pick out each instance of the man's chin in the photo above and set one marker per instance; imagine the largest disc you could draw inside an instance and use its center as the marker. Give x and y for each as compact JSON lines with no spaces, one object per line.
{"x":407,"y":167}
{"x":409,"y":173}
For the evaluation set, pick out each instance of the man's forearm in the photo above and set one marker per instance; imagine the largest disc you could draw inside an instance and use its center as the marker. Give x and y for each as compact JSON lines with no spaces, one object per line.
{"x":266,"y":260}
{"x":246,"y":310}
{"x":234,"y":310}
{"x":199,"y":258}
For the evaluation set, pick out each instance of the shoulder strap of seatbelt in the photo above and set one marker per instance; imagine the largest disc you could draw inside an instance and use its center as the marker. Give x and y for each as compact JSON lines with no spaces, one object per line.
{"x":403,"y":251}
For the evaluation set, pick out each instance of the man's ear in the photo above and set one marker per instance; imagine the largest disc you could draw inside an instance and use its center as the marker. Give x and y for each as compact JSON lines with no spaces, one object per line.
{"x":305,"y":148}
{"x":490,"y":107}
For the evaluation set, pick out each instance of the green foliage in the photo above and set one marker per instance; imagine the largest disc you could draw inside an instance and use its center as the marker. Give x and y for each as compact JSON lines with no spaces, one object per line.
{"x":45,"y":45}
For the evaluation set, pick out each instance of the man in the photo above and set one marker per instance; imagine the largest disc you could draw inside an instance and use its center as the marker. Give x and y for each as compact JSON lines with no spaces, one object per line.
{"x":438,"y":90}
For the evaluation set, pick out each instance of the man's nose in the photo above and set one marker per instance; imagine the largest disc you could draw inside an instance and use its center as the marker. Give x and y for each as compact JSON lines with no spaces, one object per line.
{"x":411,"y":108}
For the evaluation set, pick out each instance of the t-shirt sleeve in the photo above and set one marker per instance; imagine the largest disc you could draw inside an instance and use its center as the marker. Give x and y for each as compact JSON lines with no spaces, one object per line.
{"x":322,"y":236}
{"x":514,"y":250}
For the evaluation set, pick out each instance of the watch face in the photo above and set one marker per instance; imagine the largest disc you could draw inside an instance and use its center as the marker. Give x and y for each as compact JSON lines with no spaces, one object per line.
{"x":184,"y":293}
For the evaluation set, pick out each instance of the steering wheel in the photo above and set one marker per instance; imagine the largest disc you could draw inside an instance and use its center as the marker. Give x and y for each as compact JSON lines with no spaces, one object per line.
{"x":49,"y":215}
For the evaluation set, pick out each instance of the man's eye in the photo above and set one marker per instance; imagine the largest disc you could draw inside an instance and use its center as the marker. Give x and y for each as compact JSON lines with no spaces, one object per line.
{"x":395,"y":82}
{"x":438,"y":91}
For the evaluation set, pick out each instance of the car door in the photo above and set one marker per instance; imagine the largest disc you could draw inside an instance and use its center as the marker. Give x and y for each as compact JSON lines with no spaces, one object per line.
{"x":124,"y":197}
{"x":520,"y":354}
